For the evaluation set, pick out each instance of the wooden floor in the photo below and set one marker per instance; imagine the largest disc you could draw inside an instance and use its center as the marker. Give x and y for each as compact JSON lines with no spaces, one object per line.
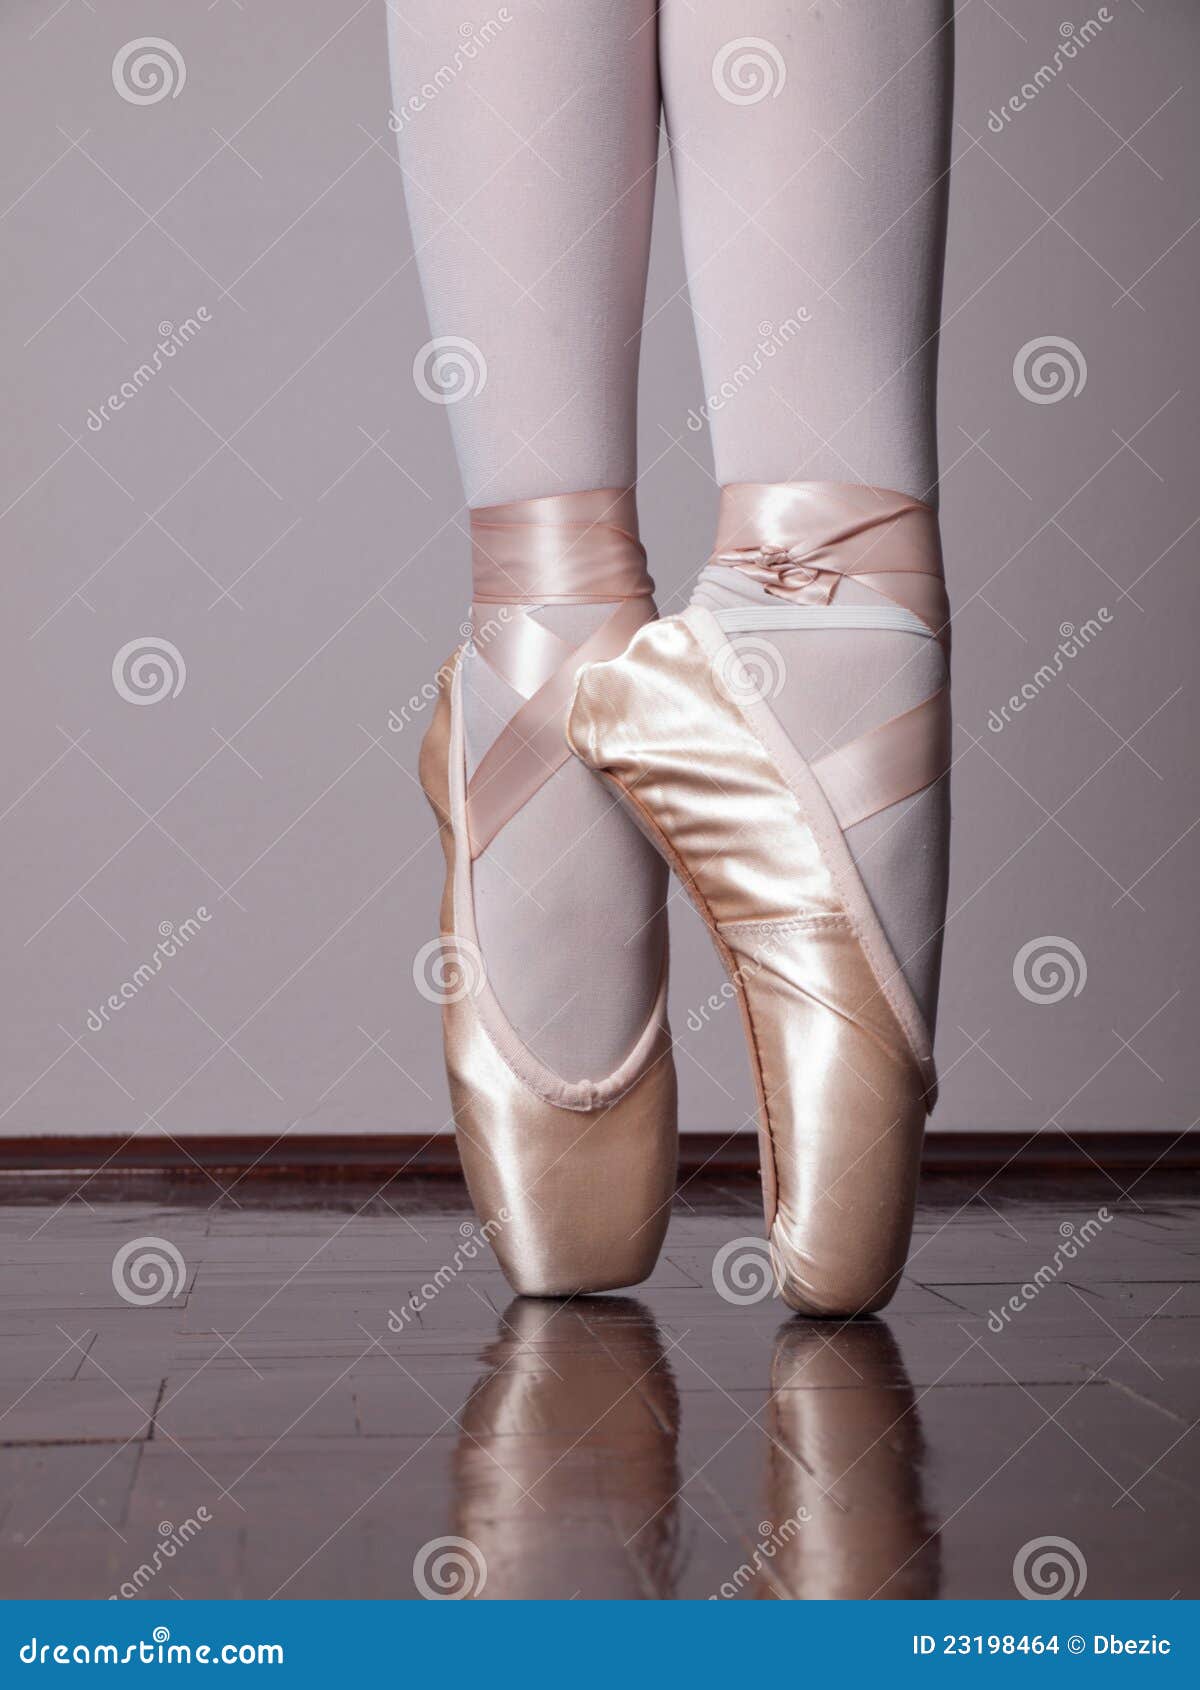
{"x":319,"y":1405}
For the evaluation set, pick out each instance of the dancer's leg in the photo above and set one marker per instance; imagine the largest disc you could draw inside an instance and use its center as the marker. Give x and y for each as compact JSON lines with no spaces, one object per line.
{"x":810,"y":150}
{"x":788,"y":735}
{"x":529,"y":178}
{"x":528,"y":148}
{"x":810,"y":147}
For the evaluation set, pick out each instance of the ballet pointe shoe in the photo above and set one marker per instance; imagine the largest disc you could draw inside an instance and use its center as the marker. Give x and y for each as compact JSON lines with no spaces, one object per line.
{"x":841,"y":1056}
{"x":572,"y":1181}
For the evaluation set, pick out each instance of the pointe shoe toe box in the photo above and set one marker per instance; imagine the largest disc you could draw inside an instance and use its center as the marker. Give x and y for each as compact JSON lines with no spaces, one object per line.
{"x":571,"y":1200}
{"x":612,"y":712}
{"x":829,"y":1288}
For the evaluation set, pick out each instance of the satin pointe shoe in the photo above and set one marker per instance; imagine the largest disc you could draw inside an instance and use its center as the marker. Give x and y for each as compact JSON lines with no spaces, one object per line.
{"x":840,"y":1052}
{"x":572,"y":1179}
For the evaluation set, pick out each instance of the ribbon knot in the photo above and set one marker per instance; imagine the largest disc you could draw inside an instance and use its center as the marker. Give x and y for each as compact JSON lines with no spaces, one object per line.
{"x":782,"y":569}
{"x":788,"y":562}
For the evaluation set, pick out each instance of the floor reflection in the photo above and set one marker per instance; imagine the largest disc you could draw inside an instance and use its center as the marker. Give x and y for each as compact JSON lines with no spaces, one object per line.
{"x":568,"y":1477}
{"x":569,"y":1445}
{"x":845,"y":1469}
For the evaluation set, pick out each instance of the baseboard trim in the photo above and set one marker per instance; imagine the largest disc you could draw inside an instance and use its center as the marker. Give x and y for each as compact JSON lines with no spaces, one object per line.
{"x":380,"y":1156}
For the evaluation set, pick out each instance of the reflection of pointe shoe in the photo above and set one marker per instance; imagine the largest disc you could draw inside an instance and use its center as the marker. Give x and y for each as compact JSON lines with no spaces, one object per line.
{"x":572,"y":1433}
{"x":846,"y":1468}
{"x":572,"y":1178}
{"x":840,"y":1050}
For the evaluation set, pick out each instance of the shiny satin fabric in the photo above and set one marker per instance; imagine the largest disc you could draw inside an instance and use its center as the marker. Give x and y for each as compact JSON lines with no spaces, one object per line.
{"x":839,"y":1050}
{"x":571,"y":548}
{"x":889,"y":763}
{"x":571,"y":1181}
{"x":800,"y":540}
{"x":567,"y":1465}
{"x":530,"y":747}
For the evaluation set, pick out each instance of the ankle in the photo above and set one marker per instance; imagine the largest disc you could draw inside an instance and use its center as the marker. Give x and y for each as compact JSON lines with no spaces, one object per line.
{"x":568,"y":548}
{"x":811,"y":542}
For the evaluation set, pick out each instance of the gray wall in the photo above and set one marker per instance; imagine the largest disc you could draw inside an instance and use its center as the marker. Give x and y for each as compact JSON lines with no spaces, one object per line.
{"x":280,"y":504}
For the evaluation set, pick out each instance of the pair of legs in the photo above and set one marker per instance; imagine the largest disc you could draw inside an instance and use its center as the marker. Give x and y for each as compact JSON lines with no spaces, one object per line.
{"x":809,"y":144}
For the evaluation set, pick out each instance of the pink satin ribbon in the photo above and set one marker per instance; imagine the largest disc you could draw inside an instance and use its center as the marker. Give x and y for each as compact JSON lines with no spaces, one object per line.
{"x":896,"y":760}
{"x":800,"y":540}
{"x":570,"y":548}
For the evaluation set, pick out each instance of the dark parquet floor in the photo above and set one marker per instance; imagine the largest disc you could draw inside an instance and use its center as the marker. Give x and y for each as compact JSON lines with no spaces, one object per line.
{"x":331,"y":1385}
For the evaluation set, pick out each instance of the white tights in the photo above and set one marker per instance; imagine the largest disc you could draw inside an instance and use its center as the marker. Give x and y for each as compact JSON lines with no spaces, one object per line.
{"x":810,"y":146}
